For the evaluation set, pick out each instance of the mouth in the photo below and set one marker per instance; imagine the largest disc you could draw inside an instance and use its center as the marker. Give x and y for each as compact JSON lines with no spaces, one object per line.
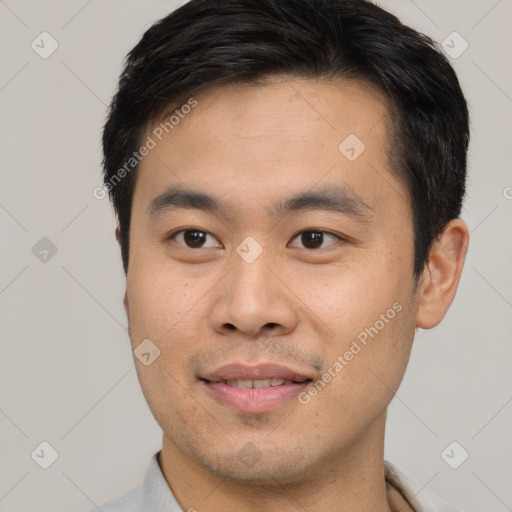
{"x":259,"y":383}
{"x":254,"y":389}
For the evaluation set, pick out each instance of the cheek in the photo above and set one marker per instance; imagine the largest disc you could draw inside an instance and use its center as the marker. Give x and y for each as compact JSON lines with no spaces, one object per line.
{"x":385,"y":344}
{"x":372,"y":327}
{"x":162,"y":301}
{"x":165,"y":307}
{"x":351,"y":299}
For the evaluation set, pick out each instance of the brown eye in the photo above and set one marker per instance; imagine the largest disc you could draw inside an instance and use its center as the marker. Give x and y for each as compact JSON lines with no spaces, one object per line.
{"x":314,"y":239}
{"x":193,"y":238}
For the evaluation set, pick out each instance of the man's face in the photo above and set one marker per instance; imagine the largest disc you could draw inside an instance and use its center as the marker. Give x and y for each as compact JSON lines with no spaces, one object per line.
{"x":304,"y":287}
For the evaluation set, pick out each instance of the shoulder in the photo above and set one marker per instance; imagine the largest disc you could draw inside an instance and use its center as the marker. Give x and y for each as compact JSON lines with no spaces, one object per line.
{"x":152,"y":494}
{"x":130,"y":501}
{"x":421,"y":501}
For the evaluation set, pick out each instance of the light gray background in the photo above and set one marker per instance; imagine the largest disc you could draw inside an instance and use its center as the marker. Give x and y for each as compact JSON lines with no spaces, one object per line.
{"x":67,"y":374}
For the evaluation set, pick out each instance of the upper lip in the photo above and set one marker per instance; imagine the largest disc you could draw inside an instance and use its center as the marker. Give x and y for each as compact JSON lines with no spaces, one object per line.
{"x":258,"y":372}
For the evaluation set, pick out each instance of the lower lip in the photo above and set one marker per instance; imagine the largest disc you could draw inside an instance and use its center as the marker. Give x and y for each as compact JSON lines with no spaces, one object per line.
{"x":254,"y":399}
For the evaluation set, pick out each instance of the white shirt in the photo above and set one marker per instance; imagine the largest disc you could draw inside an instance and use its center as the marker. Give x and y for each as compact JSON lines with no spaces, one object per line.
{"x":155,"y":495}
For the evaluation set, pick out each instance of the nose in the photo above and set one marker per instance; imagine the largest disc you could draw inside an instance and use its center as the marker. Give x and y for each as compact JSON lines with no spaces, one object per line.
{"x":254,"y":299}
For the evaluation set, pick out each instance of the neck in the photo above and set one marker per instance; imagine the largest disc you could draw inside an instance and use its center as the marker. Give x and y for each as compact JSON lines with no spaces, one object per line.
{"x":351,"y":480}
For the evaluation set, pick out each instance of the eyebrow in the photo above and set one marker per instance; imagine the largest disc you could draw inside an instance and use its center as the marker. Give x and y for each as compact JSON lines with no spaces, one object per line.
{"x":335,"y":198}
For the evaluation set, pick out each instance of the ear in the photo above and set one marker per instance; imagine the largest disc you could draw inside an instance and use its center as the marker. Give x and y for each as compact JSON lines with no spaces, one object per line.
{"x":125,"y":304}
{"x":118,"y":235}
{"x":440,"y":278}
{"x":125,"y":298}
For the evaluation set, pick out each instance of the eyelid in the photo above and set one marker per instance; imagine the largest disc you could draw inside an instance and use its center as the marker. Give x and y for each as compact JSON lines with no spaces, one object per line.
{"x":174,"y":234}
{"x":340,"y":238}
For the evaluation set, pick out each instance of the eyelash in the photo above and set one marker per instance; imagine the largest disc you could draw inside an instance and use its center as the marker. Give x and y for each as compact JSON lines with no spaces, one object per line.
{"x":339,"y":238}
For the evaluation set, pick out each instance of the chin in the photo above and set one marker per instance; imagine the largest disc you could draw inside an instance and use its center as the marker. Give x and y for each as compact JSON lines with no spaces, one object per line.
{"x":251,"y":466}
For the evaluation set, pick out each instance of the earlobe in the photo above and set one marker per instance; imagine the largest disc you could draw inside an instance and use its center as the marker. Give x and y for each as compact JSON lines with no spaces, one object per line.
{"x":125,"y":303}
{"x":440,"y":279}
{"x":127,"y":310}
{"x":125,"y":298}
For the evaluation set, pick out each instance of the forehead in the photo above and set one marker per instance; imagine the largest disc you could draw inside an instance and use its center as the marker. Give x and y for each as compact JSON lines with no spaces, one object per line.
{"x":250,"y":142}
{"x":286,"y":107}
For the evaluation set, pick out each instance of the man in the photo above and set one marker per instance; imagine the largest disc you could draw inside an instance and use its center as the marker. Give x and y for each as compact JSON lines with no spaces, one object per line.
{"x":287,"y":176}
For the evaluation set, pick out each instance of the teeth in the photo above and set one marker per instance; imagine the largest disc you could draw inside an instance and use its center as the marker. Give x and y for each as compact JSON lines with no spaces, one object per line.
{"x":263,"y":383}
{"x":240,"y":383}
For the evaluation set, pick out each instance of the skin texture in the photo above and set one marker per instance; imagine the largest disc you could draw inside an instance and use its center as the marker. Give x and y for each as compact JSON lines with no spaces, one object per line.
{"x":250,"y":146}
